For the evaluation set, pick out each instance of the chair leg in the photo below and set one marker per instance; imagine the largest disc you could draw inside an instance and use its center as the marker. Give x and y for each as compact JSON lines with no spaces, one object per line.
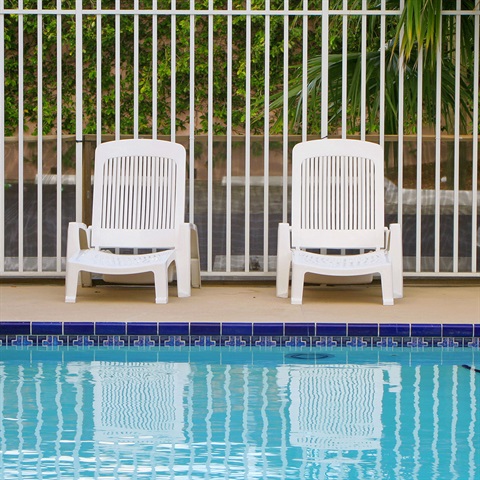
{"x":284,"y":260}
{"x":195,"y":257}
{"x":298,"y":279}
{"x":86,"y":279}
{"x":387,"y":286}
{"x":160,"y":275}
{"x":182,"y":261}
{"x":71,"y":284}
{"x":396,"y":255}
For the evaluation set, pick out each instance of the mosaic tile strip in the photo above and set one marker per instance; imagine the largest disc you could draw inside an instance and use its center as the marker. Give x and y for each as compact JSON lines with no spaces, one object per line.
{"x":149,"y":341}
{"x":236,"y":334}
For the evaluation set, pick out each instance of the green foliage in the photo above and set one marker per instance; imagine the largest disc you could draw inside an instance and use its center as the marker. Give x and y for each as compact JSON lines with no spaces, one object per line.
{"x":421,"y":22}
{"x":420,"y":25}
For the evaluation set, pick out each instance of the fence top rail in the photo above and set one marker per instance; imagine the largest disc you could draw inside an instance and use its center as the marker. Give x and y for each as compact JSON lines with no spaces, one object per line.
{"x":217,"y":12}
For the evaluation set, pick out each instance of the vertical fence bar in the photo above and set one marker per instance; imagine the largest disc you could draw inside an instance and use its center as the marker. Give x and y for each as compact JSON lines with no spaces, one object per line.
{"x":117,"y":69}
{"x":40,"y":139}
{"x":418,"y":250}
{"x":305,"y":71}
{"x":363,"y":68}
{"x":2,"y":142}
{"x":59,"y":140}
{"x":21,"y":129}
{"x":286,"y":38}
{"x":438,"y":137}
{"x":210,"y":140}
{"x":191,"y":184}
{"x":228,"y":213}
{"x":173,"y":84}
{"x":266,"y":154}
{"x":79,"y":107}
{"x":456,"y":155}
{"x":382,"y":73}
{"x":154,"y":70}
{"x":99,"y":73}
{"x":344,"y":69}
{"x":135,"y":67}
{"x":401,"y":93}
{"x":475,"y":152}
{"x":248,"y":73}
{"x":325,"y":65}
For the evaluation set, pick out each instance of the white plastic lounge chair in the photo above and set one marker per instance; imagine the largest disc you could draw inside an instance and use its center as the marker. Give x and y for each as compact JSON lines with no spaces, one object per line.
{"x":138,"y":203}
{"x":337,"y":203}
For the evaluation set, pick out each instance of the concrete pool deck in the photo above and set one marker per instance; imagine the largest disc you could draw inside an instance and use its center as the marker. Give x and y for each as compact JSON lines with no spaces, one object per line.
{"x":455,"y":301}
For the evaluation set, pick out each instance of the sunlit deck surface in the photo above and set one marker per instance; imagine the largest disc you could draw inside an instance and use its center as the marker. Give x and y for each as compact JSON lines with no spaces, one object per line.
{"x":425,"y":302}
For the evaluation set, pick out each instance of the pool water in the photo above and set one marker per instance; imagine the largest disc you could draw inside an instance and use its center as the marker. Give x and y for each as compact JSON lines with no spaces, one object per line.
{"x":239,"y":413}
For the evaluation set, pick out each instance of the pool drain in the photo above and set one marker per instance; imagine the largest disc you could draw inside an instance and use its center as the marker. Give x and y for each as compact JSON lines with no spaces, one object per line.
{"x":308,"y":356}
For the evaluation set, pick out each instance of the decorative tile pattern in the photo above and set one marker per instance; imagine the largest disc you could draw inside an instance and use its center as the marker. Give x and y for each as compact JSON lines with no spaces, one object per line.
{"x":296,"y":342}
{"x":144,"y":341}
{"x":387,"y":342}
{"x":475,"y":343}
{"x":234,"y":341}
{"x":447,"y":343}
{"x":205,"y":341}
{"x":52,"y":341}
{"x":21,"y":341}
{"x":237,"y":334}
{"x":357,"y":342}
{"x":174,"y":341}
{"x":265,"y":342}
{"x":326,"y":342}
{"x":113,"y":341}
{"x":83,"y":341}
{"x":417,"y":342}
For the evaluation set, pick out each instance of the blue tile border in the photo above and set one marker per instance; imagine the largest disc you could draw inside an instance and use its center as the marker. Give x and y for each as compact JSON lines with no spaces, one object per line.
{"x":237,"y":334}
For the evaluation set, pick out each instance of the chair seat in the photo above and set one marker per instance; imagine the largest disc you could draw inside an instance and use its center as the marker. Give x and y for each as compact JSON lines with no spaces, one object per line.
{"x":103,"y":260}
{"x":342,"y":264}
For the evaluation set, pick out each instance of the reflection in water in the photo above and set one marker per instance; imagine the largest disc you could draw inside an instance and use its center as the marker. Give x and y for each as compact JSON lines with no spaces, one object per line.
{"x":157,"y":419}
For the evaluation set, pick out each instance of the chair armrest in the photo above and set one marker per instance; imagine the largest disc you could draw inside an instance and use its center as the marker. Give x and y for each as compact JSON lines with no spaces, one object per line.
{"x":78,"y":238}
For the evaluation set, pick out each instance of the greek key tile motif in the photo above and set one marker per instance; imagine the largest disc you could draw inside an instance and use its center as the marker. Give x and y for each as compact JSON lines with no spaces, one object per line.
{"x":143,"y":341}
{"x":51,"y":341}
{"x":113,"y":341}
{"x":174,"y":341}
{"x":326,"y":342}
{"x":296,"y":342}
{"x":21,"y":341}
{"x":447,"y":342}
{"x":356,"y":342}
{"x":475,"y":343}
{"x":83,"y":341}
{"x":234,"y":341}
{"x":205,"y":341}
{"x":387,"y":342}
{"x":417,"y":342}
{"x":265,"y":342}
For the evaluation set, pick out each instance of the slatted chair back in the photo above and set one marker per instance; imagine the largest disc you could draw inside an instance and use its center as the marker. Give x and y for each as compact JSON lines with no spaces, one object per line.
{"x":337,"y":195}
{"x":139,"y":194}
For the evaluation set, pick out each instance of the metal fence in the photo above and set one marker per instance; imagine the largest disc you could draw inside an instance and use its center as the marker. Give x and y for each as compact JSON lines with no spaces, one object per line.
{"x":227,"y":81}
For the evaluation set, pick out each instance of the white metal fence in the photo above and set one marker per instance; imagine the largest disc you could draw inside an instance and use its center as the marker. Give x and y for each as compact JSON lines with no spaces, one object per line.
{"x":99,"y":73}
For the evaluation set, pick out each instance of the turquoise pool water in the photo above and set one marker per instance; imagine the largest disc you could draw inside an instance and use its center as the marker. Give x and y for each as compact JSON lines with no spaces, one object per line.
{"x":242,"y":413}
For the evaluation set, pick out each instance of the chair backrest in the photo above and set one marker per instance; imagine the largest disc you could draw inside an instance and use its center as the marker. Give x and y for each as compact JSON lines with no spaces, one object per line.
{"x":138,"y":193}
{"x":337,"y":194}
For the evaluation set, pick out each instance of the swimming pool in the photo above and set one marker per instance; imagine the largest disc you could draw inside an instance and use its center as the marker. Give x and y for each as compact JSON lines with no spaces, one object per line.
{"x":254,"y":412}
